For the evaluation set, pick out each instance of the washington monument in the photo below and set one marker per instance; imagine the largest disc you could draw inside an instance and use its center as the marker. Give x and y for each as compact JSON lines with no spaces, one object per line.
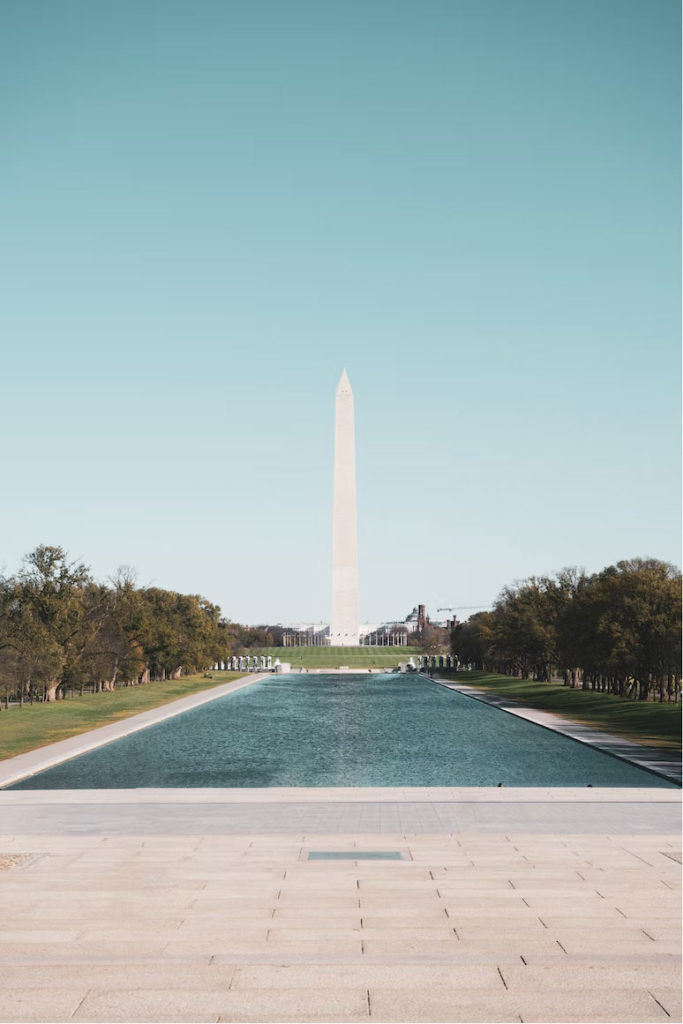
{"x":344,"y":624}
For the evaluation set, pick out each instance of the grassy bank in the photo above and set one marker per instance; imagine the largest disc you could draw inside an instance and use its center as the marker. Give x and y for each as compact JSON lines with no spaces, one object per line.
{"x":334,"y":657}
{"x":652,"y":724}
{"x":25,"y":728}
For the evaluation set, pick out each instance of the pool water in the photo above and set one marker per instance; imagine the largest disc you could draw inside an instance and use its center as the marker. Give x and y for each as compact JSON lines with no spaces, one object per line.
{"x":342,"y":730}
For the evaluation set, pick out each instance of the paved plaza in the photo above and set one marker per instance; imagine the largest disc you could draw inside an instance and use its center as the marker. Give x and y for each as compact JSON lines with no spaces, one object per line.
{"x":203,"y":905}
{"x":181,"y":906}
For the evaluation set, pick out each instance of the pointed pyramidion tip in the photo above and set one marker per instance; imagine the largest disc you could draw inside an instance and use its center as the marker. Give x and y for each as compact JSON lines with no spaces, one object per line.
{"x":344,"y":383}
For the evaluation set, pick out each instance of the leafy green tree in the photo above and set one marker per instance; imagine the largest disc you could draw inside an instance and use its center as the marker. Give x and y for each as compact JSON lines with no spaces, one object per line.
{"x":29,"y":654}
{"x":52,"y":595}
{"x":471,"y":641}
{"x":624,"y":627}
{"x":617,"y":631}
{"x":61,"y":631}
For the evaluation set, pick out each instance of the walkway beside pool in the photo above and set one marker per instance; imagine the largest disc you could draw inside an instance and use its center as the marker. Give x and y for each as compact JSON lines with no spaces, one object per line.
{"x":203,"y":905}
{"x":367,"y":811}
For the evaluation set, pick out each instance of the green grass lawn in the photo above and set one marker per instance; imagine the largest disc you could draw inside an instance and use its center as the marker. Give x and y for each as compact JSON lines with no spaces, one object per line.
{"x":334,"y":657}
{"x":25,"y":728}
{"x":649,"y":723}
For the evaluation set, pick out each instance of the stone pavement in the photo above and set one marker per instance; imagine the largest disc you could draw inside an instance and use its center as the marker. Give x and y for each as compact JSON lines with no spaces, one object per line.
{"x":409,"y":810}
{"x":493,"y":917}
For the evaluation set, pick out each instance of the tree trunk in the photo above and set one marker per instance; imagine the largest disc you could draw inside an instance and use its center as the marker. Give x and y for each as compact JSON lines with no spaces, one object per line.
{"x":110,"y":684}
{"x":51,"y":691}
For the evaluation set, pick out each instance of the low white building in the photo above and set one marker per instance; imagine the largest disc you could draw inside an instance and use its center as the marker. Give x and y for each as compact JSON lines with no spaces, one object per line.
{"x":381,"y":634}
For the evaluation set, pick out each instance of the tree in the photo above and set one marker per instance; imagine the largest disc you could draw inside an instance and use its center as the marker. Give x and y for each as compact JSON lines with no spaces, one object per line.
{"x":60,"y":630}
{"x":51,"y":593}
{"x":434,"y":639}
{"x":471,"y":641}
{"x":618,"y":630}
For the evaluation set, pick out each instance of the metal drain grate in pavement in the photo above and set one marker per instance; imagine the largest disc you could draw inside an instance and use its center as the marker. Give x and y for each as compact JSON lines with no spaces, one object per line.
{"x":354,"y":855}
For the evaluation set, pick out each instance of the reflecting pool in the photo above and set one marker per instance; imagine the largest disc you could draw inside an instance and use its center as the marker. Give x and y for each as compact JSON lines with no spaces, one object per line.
{"x":343,"y":730}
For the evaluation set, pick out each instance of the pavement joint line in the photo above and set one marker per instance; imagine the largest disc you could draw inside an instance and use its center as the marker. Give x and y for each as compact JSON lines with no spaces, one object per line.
{"x":658,"y":1003}
{"x":88,"y":991}
{"x":362,"y":960}
{"x":649,"y":864}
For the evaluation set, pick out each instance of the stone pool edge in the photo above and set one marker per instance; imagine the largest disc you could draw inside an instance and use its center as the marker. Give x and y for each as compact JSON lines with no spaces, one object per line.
{"x":21,"y":766}
{"x":656,"y":760}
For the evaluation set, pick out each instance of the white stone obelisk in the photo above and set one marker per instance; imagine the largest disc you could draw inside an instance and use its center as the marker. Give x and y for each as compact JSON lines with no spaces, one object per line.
{"x":344,"y":624}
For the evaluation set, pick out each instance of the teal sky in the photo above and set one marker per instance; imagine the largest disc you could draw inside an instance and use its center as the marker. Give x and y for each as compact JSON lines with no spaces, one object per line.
{"x":208,"y":208}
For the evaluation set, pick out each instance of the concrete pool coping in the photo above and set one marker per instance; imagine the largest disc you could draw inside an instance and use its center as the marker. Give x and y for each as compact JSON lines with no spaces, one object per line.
{"x":339,"y":794}
{"x":663,"y":763}
{"x":349,"y":812}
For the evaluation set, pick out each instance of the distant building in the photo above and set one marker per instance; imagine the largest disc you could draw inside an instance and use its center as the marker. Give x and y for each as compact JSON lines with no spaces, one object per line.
{"x":392,"y":633}
{"x":306,"y":634}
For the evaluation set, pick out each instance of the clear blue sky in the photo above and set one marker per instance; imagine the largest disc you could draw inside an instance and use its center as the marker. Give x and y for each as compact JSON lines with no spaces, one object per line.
{"x":209,"y":207}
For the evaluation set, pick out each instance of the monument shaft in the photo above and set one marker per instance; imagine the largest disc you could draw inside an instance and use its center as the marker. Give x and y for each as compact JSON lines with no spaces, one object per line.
{"x":344,"y":624}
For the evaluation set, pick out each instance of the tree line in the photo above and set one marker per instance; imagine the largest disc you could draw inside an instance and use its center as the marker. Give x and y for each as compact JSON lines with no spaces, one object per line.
{"x":61,"y":632}
{"x":616,"y":631}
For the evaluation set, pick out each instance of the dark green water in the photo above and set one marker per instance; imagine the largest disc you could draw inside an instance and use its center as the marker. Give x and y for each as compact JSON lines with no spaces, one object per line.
{"x":334,"y":730}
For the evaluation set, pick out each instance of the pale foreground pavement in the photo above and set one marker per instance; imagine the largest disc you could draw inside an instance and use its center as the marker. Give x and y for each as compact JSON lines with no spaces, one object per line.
{"x":118,"y":916}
